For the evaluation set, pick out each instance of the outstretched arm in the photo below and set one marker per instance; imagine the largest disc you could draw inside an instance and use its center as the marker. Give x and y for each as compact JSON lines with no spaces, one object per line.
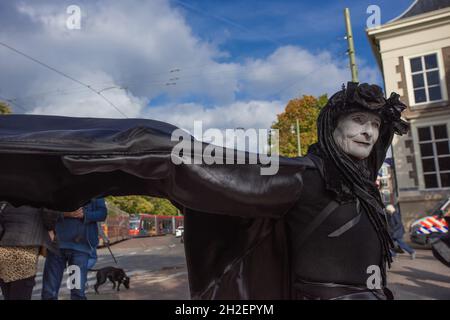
{"x":62,"y":163}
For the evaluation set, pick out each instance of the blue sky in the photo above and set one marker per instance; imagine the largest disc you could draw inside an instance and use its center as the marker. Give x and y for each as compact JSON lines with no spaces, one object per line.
{"x":227,"y":63}
{"x":254,"y":28}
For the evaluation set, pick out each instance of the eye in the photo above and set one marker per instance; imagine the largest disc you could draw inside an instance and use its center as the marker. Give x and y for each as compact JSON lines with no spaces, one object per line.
{"x":358,"y":119}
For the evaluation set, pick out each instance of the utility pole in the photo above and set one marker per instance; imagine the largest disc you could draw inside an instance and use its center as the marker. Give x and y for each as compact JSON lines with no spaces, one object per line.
{"x":351,"y":46}
{"x":299,"y":148}
{"x":274,"y":140}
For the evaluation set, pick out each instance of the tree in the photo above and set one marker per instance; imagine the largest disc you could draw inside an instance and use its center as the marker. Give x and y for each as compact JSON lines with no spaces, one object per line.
{"x":306,"y":109}
{"x":5,"y":108}
{"x":144,"y":204}
{"x":132,"y":204}
{"x":163,"y":207}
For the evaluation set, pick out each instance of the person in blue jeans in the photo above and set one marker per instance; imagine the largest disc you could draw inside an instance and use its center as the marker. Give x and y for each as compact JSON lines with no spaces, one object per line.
{"x":77,"y":235}
{"x":93,"y":255}
{"x":397,"y":230}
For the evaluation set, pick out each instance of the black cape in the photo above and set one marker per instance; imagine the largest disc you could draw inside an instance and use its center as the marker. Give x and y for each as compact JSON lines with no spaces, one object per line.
{"x":235,"y":239}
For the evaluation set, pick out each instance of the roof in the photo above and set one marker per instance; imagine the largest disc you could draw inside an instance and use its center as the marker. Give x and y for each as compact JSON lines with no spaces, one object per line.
{"x":422,"y":6}
{"x":420,"y":11}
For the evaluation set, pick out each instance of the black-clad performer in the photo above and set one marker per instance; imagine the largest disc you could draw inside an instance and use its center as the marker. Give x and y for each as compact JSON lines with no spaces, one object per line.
{"x":314,"y":230}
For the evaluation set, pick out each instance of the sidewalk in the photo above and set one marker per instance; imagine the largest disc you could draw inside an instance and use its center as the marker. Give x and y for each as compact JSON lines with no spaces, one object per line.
{"x":424,"y":278}
{"x":165,"y":284}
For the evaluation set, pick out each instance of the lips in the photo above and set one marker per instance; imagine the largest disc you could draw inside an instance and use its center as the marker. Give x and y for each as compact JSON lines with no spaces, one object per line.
{"x":362,"y":143}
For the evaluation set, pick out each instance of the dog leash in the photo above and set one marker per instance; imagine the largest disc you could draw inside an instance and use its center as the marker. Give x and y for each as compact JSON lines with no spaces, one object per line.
{"x":112,"y":255}
{"x":106,"y":240}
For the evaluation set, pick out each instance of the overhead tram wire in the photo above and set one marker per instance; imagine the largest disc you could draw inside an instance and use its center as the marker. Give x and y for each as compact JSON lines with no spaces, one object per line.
{"x":291,"y":84}
{"x":225,"y":20}
{"x":64,"y":75}
{"x":176,"y":81}
{"x":60,"y":91}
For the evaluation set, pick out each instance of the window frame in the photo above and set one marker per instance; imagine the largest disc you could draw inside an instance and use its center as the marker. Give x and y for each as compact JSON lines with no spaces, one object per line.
{"x":409,"y":74}
{"x":415,"y":125}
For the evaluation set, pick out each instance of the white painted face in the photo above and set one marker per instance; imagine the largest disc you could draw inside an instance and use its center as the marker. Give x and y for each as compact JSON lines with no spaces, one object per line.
{"x":356,"y":133}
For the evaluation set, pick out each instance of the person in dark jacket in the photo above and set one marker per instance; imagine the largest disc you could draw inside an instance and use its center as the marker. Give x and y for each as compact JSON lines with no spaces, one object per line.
{"x":77,"y":234}
{"x":398,"y":231}
{"x":24,"y":232}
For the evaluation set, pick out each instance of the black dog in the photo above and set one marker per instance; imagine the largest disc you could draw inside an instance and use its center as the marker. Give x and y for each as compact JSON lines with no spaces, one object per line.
{"x":113,"y":275}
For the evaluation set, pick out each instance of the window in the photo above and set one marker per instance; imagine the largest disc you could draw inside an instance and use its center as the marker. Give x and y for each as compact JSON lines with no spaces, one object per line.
{"x":425,"y":80}
{"x":434,"y":145}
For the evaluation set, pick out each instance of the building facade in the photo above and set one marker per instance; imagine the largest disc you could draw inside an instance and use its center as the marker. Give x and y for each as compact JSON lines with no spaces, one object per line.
{"x":386,"y":184}
{"x":413,"y":52}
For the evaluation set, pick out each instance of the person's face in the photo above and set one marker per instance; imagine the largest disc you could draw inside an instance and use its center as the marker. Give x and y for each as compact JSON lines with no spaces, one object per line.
{"x":356,"y":133}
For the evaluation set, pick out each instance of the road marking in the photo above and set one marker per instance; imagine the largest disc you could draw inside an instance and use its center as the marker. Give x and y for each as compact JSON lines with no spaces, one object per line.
{"x":159,"y":248}
{"x":161,"y":279}
{"x":132,"y":253}
{"x":172,"y":245}
{"x":148,"y":250}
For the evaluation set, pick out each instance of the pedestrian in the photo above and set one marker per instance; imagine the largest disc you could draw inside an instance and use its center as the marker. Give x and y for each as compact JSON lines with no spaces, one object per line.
{"x":77,"y":232}
{"x":397,"y":231}
{"x":25,"y":232}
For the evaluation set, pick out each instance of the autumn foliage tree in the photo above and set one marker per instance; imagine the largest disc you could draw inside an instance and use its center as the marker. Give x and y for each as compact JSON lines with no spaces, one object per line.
{"x":306,"y":109}
{"x":4,"y":108}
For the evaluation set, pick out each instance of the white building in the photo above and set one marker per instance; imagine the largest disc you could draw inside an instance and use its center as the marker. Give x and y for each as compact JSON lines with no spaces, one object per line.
{"x":413,"y":53}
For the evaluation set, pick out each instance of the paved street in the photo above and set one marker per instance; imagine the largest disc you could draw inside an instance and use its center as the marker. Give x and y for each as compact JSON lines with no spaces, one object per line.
{"x":422,"y":278}
{"x":157,"y":268}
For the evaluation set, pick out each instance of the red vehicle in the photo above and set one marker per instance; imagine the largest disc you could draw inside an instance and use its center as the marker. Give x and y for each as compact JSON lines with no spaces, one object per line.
{"x":134,"y":226}
{"x":145,"y":225}
{"x":115,"y":228}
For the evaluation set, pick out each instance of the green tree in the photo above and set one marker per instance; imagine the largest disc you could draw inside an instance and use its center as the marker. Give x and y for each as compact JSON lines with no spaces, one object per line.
{"x":5,"y":108}
{"x":306,"y":109}
{"x":163,"y":207}
{"x":113,"y":210}
{"x":132,"y":204}
{"x":144,"y":204}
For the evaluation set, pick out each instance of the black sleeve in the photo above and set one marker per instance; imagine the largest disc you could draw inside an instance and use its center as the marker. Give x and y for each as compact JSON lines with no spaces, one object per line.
{"x":69,"y":161}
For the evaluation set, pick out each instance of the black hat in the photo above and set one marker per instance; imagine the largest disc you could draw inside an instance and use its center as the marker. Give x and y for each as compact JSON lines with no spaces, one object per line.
{"x":369,"y":98}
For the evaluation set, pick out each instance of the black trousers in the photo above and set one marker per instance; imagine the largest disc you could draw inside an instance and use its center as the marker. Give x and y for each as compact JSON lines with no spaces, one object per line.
{"x":18,"y":290}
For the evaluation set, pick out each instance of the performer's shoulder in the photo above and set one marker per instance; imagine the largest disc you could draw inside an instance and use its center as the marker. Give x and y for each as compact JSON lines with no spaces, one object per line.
{"x":313,"y":174}
{"x":308,"y":162}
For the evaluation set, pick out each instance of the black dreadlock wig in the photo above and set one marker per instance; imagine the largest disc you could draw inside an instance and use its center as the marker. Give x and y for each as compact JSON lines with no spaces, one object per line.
{"x":350,"y":178}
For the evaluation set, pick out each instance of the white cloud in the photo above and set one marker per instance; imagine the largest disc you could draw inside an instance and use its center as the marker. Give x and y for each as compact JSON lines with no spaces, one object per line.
{"x":252,"y":114}
{"x":132,"y":43}
{"x":293,"y":71}
{"x":84,"y":102}
{"x":141,"y":45}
